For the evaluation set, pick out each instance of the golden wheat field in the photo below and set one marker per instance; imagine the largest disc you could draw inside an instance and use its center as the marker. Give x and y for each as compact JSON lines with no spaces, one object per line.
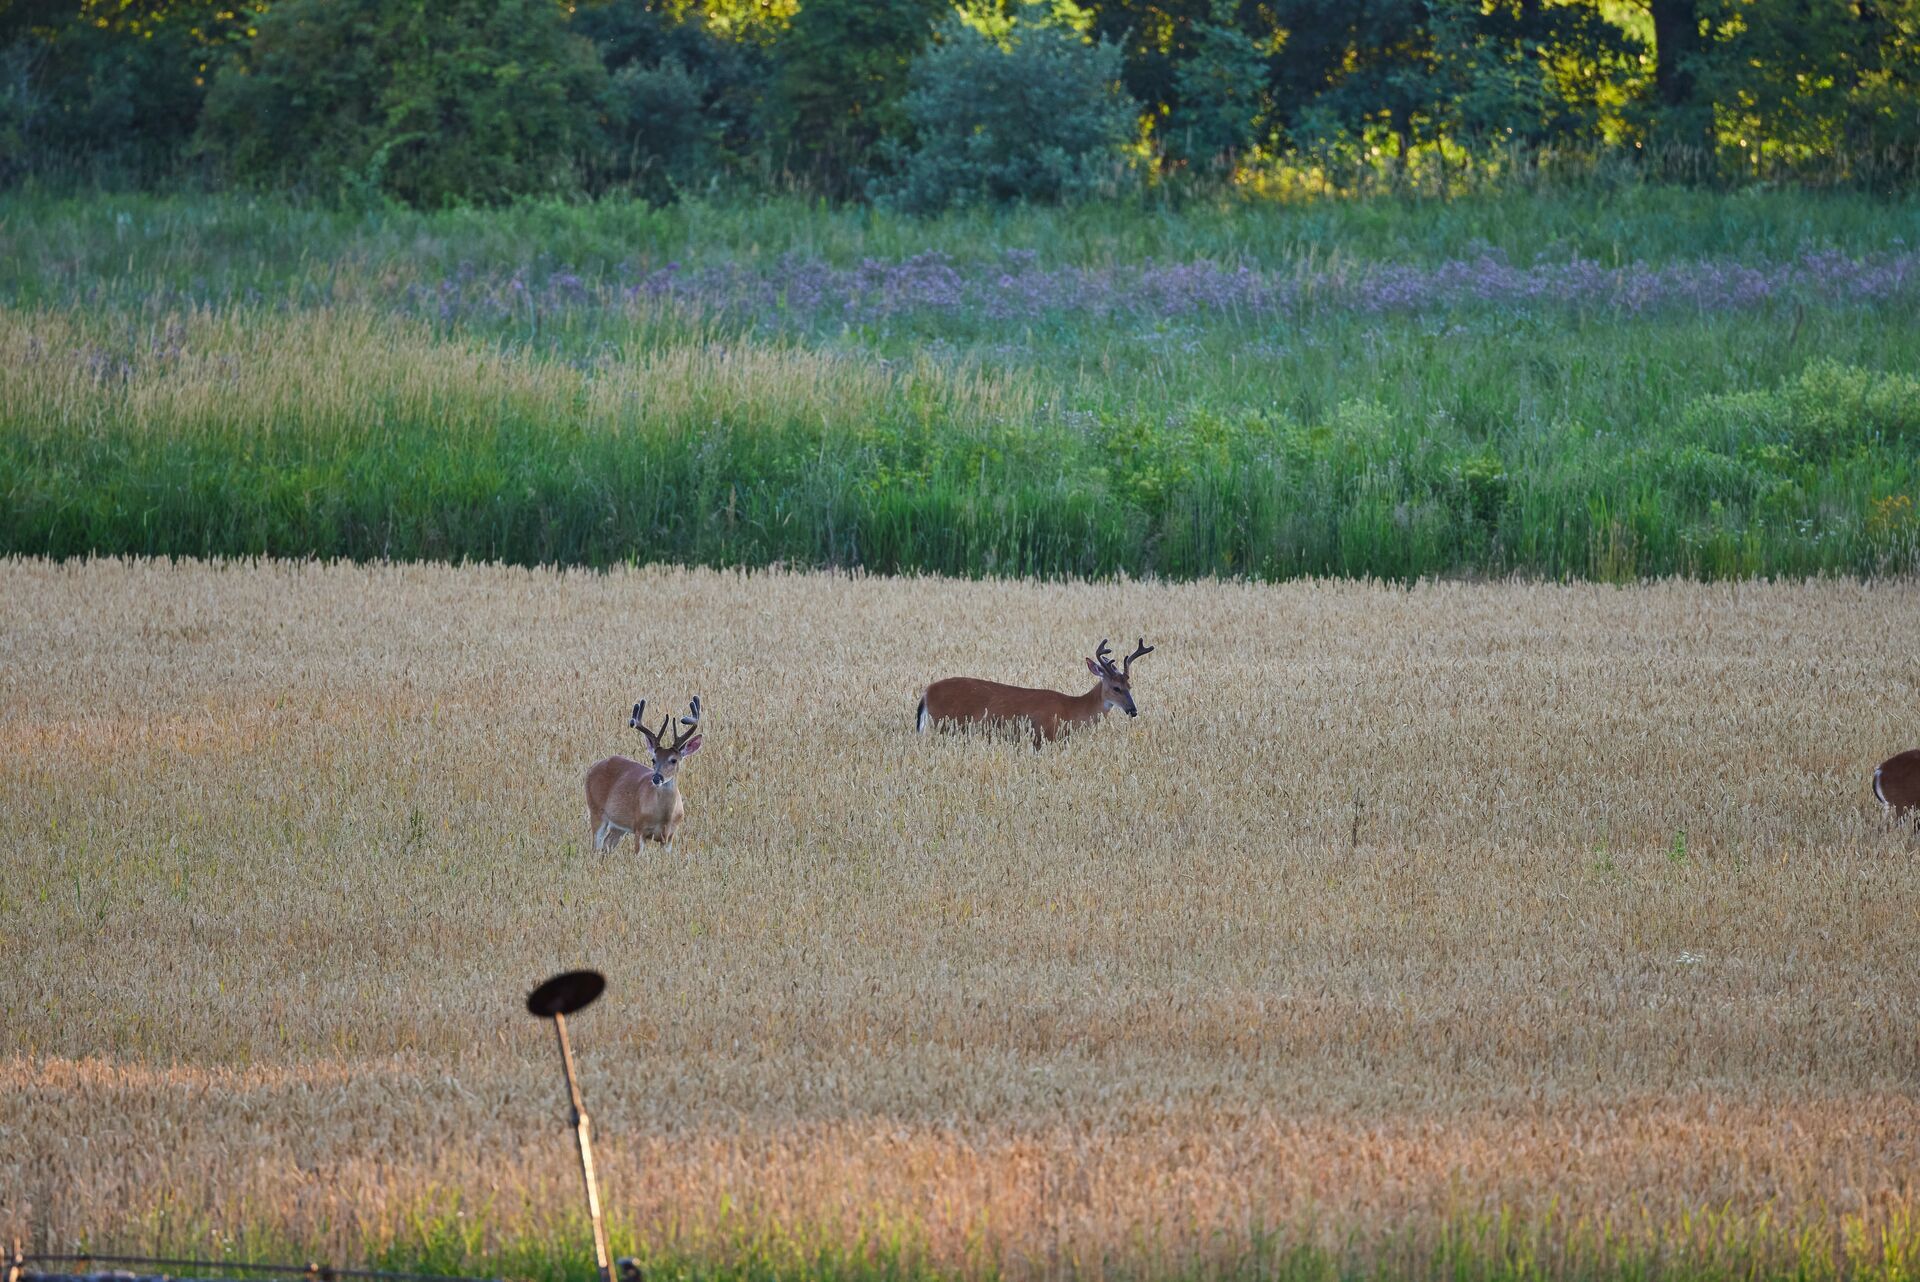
{"x":1395,"y":911}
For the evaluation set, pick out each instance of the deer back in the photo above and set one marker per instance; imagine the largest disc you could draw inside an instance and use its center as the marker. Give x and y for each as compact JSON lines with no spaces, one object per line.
{"x":1897,"y":781}
{"x":970,"y":700}
{"x":608,"y":774}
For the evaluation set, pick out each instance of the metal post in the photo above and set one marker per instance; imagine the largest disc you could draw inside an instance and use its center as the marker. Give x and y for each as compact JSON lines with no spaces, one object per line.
{"x":556,"y":999}
{"x":582,"y":1129}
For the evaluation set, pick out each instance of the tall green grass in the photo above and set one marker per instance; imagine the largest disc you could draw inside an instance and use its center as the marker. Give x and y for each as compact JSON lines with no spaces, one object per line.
{"x":1585,"y":449}
{"x":1478,"y":1246}
{"x":222,"y":376}
{"x":122,"y":248}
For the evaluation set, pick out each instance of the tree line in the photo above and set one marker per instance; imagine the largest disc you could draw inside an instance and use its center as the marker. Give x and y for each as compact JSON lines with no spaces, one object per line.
{"x":922,"y":105}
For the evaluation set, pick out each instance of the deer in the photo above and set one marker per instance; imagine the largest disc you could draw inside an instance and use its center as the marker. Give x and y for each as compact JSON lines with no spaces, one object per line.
{"x":1896,"y":783}
{"x":968,"y":701}
{"x":624,"y":796}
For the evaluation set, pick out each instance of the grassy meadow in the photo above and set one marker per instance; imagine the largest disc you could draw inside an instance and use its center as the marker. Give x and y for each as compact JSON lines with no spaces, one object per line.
{"x":1489,"y":890}
{"x":1596,"y":384}
{"x":1462,"y":931}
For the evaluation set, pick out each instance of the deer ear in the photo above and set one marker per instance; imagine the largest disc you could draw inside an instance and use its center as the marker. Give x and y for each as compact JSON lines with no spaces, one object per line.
{"x":1094,"y":668}
{"x":690,"y":747}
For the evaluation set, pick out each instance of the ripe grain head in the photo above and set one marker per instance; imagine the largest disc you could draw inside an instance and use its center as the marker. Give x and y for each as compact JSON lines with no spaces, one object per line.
{"x":1393,"y":906}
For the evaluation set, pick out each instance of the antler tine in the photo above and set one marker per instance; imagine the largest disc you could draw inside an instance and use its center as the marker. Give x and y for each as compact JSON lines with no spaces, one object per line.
{"x":1141,"y":649}
{"x":691,"y":721}
{"x":1104,"y":656}
{"x":638,"y":722}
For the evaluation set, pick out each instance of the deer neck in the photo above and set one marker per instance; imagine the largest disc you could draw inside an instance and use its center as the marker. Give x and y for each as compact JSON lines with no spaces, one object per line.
{"x":656,"y":796}
{"x":1092,"y":705}
{"x":663,"y":793}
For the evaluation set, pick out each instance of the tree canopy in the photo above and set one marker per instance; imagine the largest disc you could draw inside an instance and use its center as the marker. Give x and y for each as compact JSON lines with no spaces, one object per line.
{"x":483,"y":100}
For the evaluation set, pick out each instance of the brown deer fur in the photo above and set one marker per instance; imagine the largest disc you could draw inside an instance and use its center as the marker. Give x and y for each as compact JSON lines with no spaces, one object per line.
{"x":627,"y":796}
{"x":1896,"y":782}
{"x":621,"y":789}
{"x":968,"y":701}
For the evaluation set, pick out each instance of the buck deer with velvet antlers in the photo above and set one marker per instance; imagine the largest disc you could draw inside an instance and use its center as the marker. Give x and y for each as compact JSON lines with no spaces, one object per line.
{"x":970,"y":701}
{"x":625,"y":796}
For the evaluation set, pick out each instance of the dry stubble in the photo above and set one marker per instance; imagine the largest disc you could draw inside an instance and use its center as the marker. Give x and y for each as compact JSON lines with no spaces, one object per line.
{"x":1392,"y":907}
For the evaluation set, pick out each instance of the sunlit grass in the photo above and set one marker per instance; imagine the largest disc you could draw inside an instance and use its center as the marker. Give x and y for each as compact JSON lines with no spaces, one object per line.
{"x":1591,"y":450}
{"x":1485,"y":931}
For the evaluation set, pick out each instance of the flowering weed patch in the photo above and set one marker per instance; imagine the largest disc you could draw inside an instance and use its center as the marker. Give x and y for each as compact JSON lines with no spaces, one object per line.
{"x":1714,"y":387}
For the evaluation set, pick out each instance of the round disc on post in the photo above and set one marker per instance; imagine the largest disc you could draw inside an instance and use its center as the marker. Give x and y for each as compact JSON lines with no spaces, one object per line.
{"x":566,"y":993}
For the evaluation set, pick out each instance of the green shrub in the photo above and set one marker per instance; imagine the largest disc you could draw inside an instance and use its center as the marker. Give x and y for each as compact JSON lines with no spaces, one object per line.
{"x":661,"y":135}
{"x":21,"y":110}
{"x":1042,"y":119}
{"x":1221,"y":97}
{"x":1827,"y":411}
{"x":685,"y":99}
{"x":841,"y":68}
{"x":428,"y":103}
{"x":105,"y":92}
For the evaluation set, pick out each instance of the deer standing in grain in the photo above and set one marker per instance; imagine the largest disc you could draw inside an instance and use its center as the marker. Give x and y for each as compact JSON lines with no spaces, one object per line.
{"x":971,"y":701}
{"x":1896,"y":783}
{"x":625,"y":796}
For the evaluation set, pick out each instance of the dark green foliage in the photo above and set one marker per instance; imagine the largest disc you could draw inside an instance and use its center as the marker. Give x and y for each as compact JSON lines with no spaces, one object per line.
{"x":840,"y":69}
{"x":1779,"y":87}
{"x":1521,"y":72}
{"x":1222,"y":96}
{"x":1680,"y":47}
{"x":478,"y":101}
{"x":109,"y":91}
{"x":658,"y":115}
{"x":1157,"y":38}
{"x":1040,"y":120}
{"x":1824,"y":77}
{"x":684,"y":100}
{"x":1409,"y":72}
{"x":21,"y":111}
{"x":428,"y":101}
{"x":1351,"y":66}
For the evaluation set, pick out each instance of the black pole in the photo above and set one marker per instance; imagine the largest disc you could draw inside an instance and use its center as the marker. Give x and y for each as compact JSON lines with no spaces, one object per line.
{"x":582,"y":1129}
{"x":556,"y":999}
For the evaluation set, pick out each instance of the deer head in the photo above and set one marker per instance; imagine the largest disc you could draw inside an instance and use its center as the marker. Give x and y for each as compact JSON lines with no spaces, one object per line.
{"x":669,"y":745}
{"x":1116,"y":684}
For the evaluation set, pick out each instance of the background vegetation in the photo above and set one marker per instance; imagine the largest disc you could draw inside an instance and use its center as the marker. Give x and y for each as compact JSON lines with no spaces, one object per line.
{"x":1016,"y":288}
{"x":1608,"y":383}
{"x":434,"y":104}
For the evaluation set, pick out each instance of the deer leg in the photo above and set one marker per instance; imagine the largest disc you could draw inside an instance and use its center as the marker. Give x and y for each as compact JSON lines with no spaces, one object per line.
{"x":610,"y":834}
